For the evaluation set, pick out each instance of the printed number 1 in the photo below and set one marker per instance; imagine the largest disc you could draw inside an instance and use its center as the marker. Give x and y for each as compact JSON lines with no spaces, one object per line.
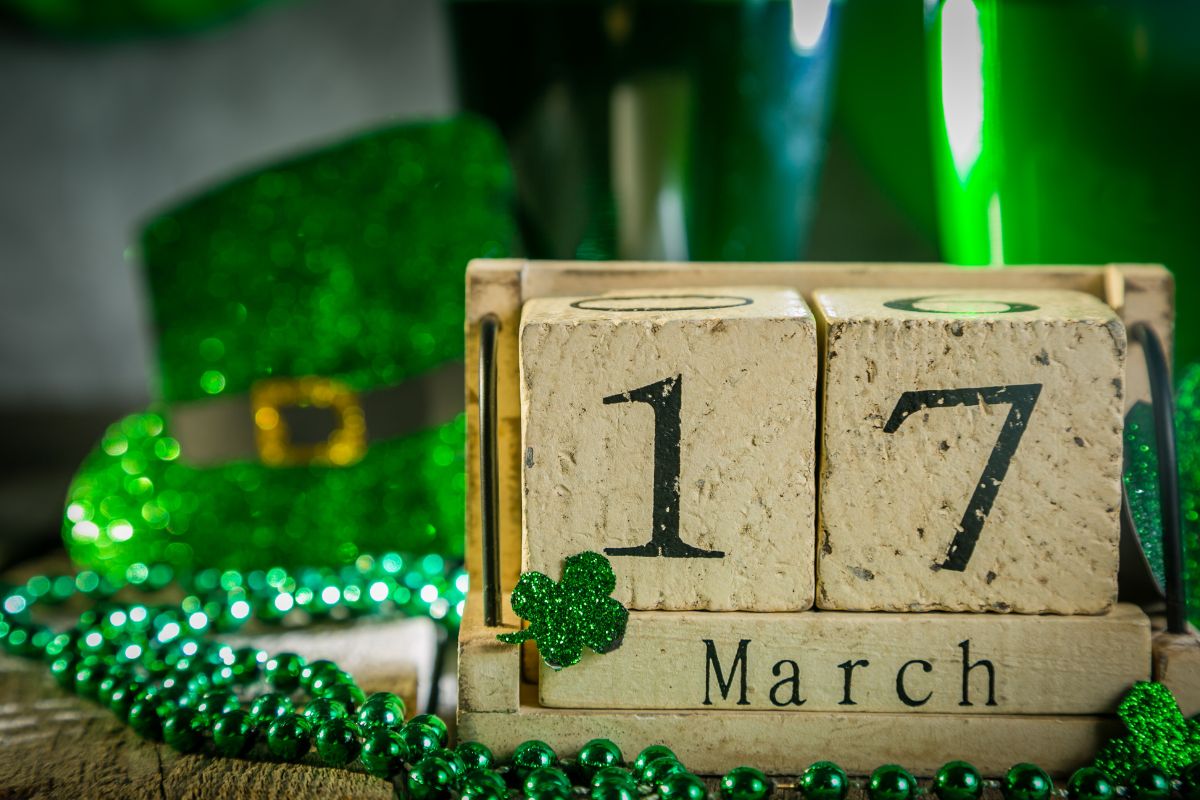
{"x":665,"y":398}
{"x":1022,"y":397}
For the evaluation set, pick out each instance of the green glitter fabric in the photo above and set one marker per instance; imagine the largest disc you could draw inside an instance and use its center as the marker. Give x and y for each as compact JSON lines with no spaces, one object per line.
{"x":1158,"y":734}
{"x":347,"y":264}
{"x":574,"y":613}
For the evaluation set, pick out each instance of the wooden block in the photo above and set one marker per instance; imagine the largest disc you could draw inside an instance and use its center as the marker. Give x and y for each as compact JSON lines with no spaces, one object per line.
{"x":1177,"y":665}
{"x":971,"y":451}
{"x":674,"y":431}
{"x":785,"y":744}
{"x":856,"y":662}
{"x":489,"y":671}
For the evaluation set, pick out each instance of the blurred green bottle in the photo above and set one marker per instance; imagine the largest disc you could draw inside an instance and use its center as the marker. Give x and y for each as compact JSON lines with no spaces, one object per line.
{"x":655,"y":129}
{"x":1067,"y":132}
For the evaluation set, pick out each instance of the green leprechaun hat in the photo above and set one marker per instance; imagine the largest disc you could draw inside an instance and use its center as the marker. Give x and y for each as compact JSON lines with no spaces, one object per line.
{"x":306,"y":314}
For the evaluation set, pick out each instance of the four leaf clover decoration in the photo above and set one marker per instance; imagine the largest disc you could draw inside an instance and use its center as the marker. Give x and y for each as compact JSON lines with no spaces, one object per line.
{"x":574,"y":613}
{"x":1158,"y":734}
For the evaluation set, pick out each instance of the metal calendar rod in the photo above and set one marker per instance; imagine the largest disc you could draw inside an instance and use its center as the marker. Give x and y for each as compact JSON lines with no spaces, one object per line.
{"x":489,"y":501}
{"x":1168,"y":473}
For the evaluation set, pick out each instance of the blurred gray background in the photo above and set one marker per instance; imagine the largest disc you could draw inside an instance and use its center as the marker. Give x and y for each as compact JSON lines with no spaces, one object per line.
{"x":95,"y":137}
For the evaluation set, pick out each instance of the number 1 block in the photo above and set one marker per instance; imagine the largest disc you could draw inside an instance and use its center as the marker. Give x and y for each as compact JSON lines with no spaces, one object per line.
{"x":971,"y":451}
{"x":674,"y":431}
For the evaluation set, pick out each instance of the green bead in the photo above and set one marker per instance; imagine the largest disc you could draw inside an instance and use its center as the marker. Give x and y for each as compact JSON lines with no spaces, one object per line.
{"x":660,"y":768}
{"x":323,"y":709}
{"x":289,"y":737}
{"x":596,"y":755}
{"x":183,"y":730}
{"x":283,"y":671}
{"x":338,"y":741}
{"x":268,"y":707}
{"x":891,"y":782}
{"x":533,"y":754}
{"x":651,"y":753}
{"x":383,"y":752}
{"x":420,"y":740}
{"x":538,"y":780}
{"x":62,"y":669}
{"x":113,"y":678}
{"x":614,"y":791}
{"x":435,"y":722}
{"x":1090,"y":783}
{"x":88,"y":676}
{"x":431,"y":779}
{"x":316,"y":671}
{"x":324,"y":683}
{"x":121,"y":696}
{"x":475,"y":755}
{"x":387,"y":700}
{"x":247,"y":661}
{"x":348,"y":694}
{"x":19,"y":640}
{"x":215,"y":702}
{"x":1189,"y":781}
{"x":745,"y":783}
{"x":455,"y":761}
{"x":614,"y":775}
{"x":483,"y":777}
{"x":59,"y":644}
{"x":381,"y":715}
{"x":484,"y":793}
{"x":143,"y":718}
{"x":1027,"y":782}
{"x":233,"y":733}
{"x":682,"y":786}
{"x":1150,"y":783}
{"x":824,"y":780}
{"x":958,"y":780}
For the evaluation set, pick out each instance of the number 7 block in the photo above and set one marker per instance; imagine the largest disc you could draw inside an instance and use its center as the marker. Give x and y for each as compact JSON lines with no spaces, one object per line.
{"x":675,"y":432}
{"x":971,"y":451}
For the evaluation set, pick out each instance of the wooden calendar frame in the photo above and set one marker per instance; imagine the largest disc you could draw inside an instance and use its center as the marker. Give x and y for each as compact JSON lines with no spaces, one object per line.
{"x":498,"y":694}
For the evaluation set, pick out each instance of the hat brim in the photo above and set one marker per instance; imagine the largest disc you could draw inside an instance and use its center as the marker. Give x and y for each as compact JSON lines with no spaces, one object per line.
{"x":136,"y":502}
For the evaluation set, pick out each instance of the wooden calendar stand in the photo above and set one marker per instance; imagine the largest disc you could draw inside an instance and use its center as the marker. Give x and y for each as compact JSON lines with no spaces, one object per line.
{"x":498,"y":692}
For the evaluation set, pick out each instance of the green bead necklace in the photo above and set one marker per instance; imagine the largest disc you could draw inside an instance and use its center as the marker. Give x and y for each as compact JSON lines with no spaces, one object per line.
{"x":154,"y":668}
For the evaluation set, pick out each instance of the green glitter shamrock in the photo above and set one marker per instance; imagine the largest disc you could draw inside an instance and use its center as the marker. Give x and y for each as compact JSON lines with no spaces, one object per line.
{"x":577,"y":611}
{"x":1159,"y":734}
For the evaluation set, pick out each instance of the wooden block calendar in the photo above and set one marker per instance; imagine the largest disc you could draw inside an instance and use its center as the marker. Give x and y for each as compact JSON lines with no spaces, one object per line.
{"x":594,"y":361}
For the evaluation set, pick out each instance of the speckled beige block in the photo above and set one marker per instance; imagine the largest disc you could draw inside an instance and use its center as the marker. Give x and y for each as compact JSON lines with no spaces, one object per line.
{"x":863,"y":662}
{"x":971,"y":451}
{"x":674,"y":431}
{"x":1177,"y":664}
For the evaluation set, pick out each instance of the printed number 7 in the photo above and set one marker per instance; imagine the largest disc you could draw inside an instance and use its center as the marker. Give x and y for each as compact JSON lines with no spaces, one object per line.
{"x":1022,"y":397}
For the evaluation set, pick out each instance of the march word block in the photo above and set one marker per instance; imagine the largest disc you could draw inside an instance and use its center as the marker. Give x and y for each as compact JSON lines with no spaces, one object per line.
{"x":971,"y":451}
{"x":863,"y":662}
{"x":674,"y":431}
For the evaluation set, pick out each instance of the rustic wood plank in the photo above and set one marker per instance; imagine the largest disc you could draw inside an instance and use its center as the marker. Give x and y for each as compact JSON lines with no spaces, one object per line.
{"x":712,"y":742}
